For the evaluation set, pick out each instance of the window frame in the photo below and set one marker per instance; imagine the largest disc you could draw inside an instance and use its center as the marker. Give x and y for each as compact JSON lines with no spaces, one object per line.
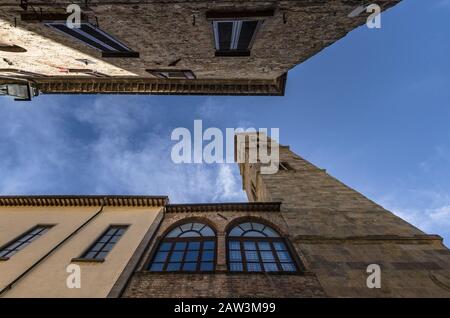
{"x":188,"y":74}
{"x":22,"y":235}
{"x":236,"y":34}
{"x":163,"y":239}
{"x":127,"y":52}
{"x":237,"y":18}
{"x":83,"y":258}
{"x":295,"y":260}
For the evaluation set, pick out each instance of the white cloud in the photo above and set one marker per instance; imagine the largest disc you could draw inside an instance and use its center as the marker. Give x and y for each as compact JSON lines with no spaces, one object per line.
{"x":52,"y":146}
{"x":432,"y":219}
{"x":438,"y":157}
{"x":210,"y":109}
{"x":441,"y":215}
{"x":104,"y":146}
{"x":443,"y":3}
{"x":228,"y":185}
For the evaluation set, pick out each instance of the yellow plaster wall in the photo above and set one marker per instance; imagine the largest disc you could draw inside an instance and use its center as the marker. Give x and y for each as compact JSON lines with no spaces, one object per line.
{"x":48,"y":279}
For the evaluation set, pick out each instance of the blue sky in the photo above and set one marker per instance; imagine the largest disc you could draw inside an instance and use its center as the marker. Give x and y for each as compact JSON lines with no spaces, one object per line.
{"x":373,"y":109}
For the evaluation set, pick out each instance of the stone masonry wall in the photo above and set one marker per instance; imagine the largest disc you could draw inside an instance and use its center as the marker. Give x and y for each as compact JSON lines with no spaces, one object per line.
{"x":167,"y":31}
{"x":340,"y":232}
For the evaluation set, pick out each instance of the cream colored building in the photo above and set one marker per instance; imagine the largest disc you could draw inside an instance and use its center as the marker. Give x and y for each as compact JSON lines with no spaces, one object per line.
{"x":74,"y":224}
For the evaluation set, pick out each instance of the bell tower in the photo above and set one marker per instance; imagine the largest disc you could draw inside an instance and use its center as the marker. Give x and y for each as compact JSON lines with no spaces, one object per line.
{"x":340,"y":232}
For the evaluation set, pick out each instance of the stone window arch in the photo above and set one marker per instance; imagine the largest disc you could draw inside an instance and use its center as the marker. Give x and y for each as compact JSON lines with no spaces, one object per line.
{"x":253,"y":246}
{"x":187,"y":247}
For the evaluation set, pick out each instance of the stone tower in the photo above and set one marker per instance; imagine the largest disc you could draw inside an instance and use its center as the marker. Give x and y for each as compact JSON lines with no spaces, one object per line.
{"x":338,"y":232}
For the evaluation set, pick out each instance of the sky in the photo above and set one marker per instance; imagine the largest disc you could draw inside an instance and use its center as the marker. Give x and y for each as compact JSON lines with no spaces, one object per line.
{"x":372,"y":109}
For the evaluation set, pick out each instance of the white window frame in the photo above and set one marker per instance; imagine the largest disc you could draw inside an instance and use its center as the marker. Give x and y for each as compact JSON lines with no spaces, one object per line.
{"x":236,"y":32}
{"x":81,"y":32}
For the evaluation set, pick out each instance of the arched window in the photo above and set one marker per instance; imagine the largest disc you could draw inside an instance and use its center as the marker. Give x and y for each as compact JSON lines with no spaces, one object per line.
{"x":255,"y":247}
{"x":190,"y":247}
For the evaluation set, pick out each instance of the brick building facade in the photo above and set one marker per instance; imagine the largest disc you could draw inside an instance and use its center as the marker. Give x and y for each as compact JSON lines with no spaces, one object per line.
{"x":221,"y":283}
{"x":228,"y":47}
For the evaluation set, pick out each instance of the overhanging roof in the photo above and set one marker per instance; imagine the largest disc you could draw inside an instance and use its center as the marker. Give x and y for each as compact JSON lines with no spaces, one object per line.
{"x":156,"y":86}
{"x":83,"y":200}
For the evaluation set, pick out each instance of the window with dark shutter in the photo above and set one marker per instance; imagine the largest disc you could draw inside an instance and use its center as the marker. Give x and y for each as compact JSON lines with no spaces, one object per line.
{"x":235,"y":32}
{"x":234,"y":37}
{"x":95,"y":38}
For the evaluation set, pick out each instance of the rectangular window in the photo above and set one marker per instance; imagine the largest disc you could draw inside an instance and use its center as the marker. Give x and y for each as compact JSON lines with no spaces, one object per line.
{"x":234,"y":37}
{"x":104,"y":244}
{"x":172,"y":74}
{"x":235,"y":32}
{"x":187,"y":256}
{"x":259,"y":256}
{"x":20,"y":243}
{"x":95,"y":38}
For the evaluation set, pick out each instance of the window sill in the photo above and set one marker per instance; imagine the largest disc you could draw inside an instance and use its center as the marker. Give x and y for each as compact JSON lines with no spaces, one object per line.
{"x":146,"y":272}
{"x":87,"y":260}
{"x":4,"y":259}
{"x":120,"y":54}
{"x":268,"y":273}
{"x":232,"y":53}
{"x":178,"y":272}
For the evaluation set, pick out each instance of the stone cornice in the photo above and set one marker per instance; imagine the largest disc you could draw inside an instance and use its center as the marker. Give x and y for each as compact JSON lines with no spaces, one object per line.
{"x":157,"y":86}
{"x":83,"y":200}
{"x":224,"y":207}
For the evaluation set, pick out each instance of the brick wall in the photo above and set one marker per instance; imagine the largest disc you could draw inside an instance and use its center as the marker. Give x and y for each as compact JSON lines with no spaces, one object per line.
{"x":221,"y":283}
